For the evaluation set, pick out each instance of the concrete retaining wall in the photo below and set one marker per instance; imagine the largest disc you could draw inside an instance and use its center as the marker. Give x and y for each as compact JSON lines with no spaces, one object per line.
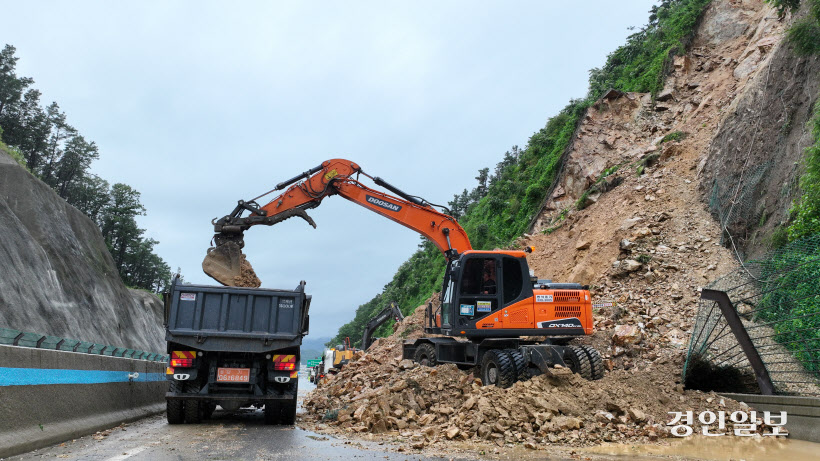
{"x":803,"y":413}
{"x":48,"y":396}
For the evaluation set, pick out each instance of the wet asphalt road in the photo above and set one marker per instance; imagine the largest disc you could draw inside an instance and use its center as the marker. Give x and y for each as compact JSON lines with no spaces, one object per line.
{"x":225,"y":436}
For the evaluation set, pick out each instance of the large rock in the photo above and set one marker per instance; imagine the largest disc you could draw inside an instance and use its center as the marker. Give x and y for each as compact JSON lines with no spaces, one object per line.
{"x":57,"y":276}
{"x":626,"y":335}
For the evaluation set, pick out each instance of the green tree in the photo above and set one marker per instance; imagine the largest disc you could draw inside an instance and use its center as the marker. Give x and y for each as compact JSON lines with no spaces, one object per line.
{"x":60,"y":131}
{"x":74,"y":164}
{"x":91,"y":196}
{"x":11,"y":86}
{"x":119,"y":225}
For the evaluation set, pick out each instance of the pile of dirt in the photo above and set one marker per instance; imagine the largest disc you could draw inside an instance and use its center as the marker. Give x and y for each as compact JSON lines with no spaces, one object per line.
{"x":399,"y":400}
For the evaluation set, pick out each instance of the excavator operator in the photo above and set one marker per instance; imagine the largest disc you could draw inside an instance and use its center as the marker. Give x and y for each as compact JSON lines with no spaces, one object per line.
{"x":488,"y":285}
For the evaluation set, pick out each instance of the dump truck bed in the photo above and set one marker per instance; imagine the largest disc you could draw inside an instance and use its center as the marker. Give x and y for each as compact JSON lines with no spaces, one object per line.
{"x":216,"y":318}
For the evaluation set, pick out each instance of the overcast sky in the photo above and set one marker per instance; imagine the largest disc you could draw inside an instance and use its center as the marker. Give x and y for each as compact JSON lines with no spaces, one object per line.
{"x":197,"y":104}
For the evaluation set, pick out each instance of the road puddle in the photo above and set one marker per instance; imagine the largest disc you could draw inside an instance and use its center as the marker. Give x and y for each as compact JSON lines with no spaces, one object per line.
{"x":718,"y":448}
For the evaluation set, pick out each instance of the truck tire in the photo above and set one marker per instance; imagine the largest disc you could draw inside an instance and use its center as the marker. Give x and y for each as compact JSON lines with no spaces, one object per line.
{"x":174,"y":409}
{"x":497,"y":368}
{"x":193,"y":408}
{"x":596,"y":363}
{"x":577,"y":360}
{"x":426,"y":355}
{"x":271,"y":413}
{"x":287,"y":413}
{"x":208,"y":410}
{"x":521,"y":372}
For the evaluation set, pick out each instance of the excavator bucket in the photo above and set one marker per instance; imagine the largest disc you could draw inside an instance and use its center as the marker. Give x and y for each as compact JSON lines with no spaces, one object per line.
{"x":226,"y":264}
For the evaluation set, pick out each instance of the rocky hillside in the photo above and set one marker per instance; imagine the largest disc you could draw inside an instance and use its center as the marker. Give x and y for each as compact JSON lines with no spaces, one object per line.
{"x":630,"y":214}
{"x":639,"y":212}
{"x":57,"y":276}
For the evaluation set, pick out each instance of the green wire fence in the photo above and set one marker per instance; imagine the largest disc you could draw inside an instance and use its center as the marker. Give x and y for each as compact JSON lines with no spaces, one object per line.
{"x":25,"y":339}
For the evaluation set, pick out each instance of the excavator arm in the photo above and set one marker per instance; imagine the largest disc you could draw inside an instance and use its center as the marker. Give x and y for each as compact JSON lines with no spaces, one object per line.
{"x":225,"y":261}
{"x":390,"y":311}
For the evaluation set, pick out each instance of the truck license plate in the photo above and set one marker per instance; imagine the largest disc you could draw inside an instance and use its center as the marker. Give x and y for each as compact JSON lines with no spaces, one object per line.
{"x":233,"y":375}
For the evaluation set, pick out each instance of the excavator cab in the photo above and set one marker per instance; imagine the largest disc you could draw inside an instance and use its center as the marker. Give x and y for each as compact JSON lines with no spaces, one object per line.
{"x":491,"y":294}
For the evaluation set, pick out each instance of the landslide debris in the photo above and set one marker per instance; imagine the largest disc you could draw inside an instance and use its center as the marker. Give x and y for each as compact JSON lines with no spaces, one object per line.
{"x":650,"y":244}
{"x":626,"y":217}
{"x":397,"y":399}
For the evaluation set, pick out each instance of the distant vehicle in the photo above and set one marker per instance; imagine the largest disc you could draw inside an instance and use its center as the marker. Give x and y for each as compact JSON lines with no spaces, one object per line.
{"x":233,"y":347}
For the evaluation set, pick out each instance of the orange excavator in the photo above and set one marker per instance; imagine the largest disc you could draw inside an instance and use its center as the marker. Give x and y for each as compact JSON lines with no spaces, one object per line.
{"x":489,"y":301}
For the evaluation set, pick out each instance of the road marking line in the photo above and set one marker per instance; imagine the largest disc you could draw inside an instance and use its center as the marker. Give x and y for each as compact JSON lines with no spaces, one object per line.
{"x":129,"y":454}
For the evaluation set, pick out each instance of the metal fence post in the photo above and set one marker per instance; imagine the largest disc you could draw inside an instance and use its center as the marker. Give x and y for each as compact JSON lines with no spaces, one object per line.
{"x":764,"y":381}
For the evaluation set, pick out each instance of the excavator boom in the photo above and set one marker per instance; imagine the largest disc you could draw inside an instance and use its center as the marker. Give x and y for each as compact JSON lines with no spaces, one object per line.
{"x":226,"y":264}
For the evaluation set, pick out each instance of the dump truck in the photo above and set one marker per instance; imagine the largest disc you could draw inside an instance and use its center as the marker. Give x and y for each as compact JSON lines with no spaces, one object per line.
{"x":233,"y":347}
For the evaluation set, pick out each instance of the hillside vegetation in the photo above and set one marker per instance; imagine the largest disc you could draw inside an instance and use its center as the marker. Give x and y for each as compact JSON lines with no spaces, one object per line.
{"x":503,"y":204}
{"x":42,"y":140}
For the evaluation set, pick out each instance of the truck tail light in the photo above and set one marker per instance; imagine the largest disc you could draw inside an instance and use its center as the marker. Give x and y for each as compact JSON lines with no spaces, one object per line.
{"x":182,"y":363}
{"x":284,"y":362}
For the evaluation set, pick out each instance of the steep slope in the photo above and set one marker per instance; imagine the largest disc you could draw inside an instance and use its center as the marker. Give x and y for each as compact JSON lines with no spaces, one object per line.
{"x":57,"y":276}
{"x":660,"y":153}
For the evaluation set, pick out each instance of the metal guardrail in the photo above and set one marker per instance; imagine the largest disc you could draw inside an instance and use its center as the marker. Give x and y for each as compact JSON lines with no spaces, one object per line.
{"x":757,"y":329}
{"x":35,"y":340}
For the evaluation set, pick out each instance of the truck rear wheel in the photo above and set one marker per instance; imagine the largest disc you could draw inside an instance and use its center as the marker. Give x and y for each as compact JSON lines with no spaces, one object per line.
{"x":287,"y":413}
{"x":174,"y":411}
{"x":271,"y":413}
{"x":193,"y":409}
{"x":497,"y":368}
{"x":578,"y":361}
{"x":596,"y":363}
{"x":426,"y":355}
{"x":208,"y":410}
{"x":280,"y":412}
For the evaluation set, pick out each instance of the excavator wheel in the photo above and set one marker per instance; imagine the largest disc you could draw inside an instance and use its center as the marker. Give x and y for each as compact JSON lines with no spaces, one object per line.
{"x":521,"y":372}
{"x":578,"y":361}
{"x":497,"y":368}
{"x":175,"y":409}
{"x":426,"y":355}
{"x":595,"y":361}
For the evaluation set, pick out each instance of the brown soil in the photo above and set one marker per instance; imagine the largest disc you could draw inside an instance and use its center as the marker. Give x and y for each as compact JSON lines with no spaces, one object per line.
{"x":247,"y":277}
